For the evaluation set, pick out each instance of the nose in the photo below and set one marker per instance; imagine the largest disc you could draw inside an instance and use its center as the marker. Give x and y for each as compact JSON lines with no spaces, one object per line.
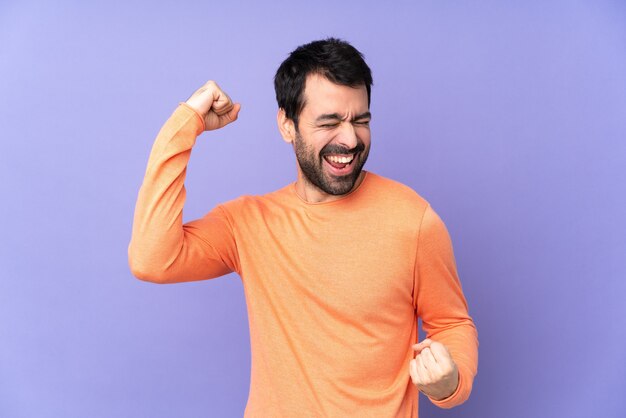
{"x":347,"y":135}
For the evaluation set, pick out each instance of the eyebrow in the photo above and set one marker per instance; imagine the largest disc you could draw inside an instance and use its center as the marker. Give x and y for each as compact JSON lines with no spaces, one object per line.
{"x":336,"y":116}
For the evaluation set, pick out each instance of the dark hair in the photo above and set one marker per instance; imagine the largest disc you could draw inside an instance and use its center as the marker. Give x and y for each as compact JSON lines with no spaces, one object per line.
{"x":332,"y":58}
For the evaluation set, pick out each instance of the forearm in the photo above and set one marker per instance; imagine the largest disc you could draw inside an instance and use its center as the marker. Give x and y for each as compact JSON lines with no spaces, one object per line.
{"x":461,"y":340}
{"x":157,"y":248}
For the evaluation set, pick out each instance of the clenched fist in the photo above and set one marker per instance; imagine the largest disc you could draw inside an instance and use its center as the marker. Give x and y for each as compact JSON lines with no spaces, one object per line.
{"x":214,"y":105}
{"x":433,"y":370}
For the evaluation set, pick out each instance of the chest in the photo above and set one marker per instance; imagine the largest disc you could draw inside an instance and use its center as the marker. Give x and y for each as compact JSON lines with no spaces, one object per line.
{"x":358,"y":266}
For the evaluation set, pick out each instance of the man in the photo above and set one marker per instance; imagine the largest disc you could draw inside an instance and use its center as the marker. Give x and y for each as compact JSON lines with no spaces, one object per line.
{"x":336,"y":267}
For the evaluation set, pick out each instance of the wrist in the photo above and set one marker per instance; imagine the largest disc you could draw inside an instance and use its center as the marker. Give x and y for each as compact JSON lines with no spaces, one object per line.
{"x":198,"y":114}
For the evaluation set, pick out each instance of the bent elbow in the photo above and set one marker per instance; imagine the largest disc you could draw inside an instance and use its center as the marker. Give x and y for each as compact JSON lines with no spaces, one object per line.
{"x":146,"y":275}
{"x":145,"y":271}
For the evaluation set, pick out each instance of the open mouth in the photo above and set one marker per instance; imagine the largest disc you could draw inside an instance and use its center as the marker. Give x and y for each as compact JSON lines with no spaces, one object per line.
{"x":341,"y":164}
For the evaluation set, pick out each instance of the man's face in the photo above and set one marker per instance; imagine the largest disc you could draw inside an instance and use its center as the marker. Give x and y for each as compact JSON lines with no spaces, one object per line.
{"x":332,"y":139}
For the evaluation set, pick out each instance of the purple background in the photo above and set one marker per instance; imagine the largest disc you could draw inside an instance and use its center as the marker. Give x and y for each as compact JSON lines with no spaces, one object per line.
{"x":509,"y":118}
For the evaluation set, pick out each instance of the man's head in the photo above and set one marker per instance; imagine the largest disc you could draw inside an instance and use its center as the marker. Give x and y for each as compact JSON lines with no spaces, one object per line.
{"x":334,"y":59}
{"x":323,"y":91}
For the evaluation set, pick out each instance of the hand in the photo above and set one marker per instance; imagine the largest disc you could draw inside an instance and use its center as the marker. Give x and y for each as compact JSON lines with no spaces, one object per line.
{"x":214,"y":105}
{"x":433,"y":370}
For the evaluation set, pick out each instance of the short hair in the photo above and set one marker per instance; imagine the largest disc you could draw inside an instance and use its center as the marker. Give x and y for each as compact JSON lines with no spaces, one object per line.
{"x":332,"y":58}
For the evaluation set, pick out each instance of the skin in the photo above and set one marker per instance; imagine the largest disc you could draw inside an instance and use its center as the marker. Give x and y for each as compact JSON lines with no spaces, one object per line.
{"x":433,"y":370}
{"x":216,"y":107}
{"x":333,"y":116}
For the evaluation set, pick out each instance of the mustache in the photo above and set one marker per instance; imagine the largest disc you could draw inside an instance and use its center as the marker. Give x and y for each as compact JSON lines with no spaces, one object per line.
{"x":338,"y":149}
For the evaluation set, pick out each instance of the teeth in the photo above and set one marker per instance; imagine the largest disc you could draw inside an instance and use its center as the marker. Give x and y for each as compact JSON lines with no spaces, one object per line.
{"x":340,"y":160}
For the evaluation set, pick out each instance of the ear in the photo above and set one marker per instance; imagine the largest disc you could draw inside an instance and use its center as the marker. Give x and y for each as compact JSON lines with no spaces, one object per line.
{"x":286,"y":126}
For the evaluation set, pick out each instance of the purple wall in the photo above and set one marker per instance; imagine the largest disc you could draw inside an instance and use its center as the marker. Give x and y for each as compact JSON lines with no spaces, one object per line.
{"x":510,"y":119}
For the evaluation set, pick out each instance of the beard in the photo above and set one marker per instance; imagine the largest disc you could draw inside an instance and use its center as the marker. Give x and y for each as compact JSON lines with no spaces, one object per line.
{"x":312,"y":166}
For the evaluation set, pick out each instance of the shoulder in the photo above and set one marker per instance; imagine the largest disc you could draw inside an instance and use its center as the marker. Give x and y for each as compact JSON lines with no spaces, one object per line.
{"x":247,"y":206}
{"x":394,"y":194}
{"x":394,"y":206}
{"x":410,"y":208}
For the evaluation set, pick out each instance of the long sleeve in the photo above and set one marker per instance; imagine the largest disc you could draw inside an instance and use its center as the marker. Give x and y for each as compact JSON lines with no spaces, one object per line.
{"x":162,"y":249}
{"x":442,"y":306}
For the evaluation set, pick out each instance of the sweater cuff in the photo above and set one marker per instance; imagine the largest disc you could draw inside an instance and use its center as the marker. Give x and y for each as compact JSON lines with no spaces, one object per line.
{"x":459,"y":396}
{"x":184,"y":106}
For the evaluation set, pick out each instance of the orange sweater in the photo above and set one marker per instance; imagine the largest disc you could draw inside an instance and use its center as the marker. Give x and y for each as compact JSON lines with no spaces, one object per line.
{"x":333,"y":289}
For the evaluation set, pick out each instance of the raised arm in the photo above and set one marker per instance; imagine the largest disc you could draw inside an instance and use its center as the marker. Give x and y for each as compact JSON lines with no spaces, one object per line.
{"x":162,"y":249}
